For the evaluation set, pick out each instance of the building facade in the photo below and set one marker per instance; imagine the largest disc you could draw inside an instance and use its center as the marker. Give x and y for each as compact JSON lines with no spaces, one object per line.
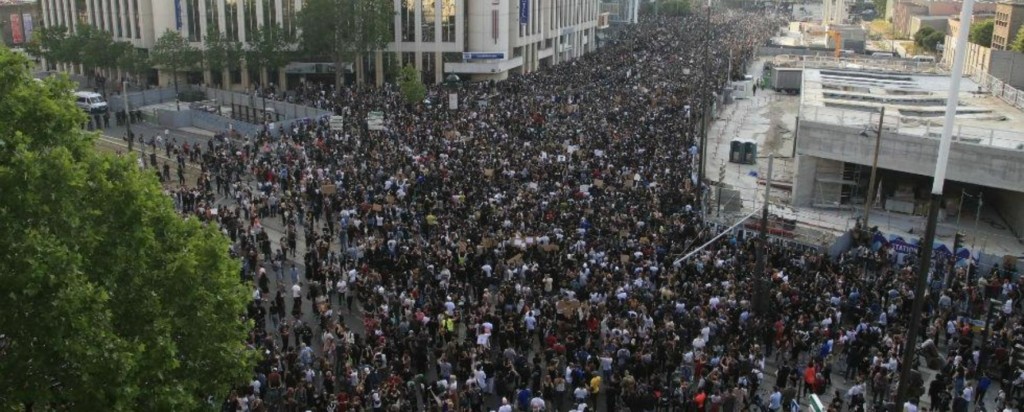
{"x":476,"y":39}
{"x":1009,"y":17}
{"x":17,"y":22}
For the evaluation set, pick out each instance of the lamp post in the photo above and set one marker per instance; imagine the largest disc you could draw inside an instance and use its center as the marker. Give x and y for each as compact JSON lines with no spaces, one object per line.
{"x":914,"y":319}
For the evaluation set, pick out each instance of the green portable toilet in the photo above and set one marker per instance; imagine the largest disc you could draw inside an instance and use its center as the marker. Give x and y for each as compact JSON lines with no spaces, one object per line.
{"x":736,"y":151}
{"x":750,"y":152}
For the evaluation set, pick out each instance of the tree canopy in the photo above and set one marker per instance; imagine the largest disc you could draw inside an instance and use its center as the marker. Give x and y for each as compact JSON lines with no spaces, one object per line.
{"x":174,"y":53}
{"x":1018,"y":41}
{"x":928,"y":38}
{"x":981,"y":33}
{"x":268,"y":48}
{"x":345,"y":31}
{"x":411,"y":84}
{"x":111,"y":300}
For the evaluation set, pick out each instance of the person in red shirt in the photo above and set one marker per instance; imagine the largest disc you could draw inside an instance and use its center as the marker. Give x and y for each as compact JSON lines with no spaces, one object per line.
{"x":809,"y":379}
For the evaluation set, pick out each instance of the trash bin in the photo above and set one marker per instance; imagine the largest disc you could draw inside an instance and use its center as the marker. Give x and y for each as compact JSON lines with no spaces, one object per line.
{"x":736,"y":151}
{"x":750,"y":152}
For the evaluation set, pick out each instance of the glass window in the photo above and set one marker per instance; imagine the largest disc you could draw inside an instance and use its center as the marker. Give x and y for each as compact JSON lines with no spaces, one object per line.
{"x":269,"y":12}
{"x":408,"y":20}
{"x":288,"y":20}
{"x":448,"y":21}
{"x":212,"y":17}
{"x":193,"y":18}
{"x":249,"y":15}
{"x":135,"y":19}
{"x":117,"y":19}
{"x":428,"y":20}
{"x":231,"y":19}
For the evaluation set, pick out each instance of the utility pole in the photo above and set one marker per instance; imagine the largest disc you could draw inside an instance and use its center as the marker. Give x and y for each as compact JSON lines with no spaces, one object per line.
{"x":721,"y":181}
{"x":977,"y":217}
{"x":127,"y":116}
{"x":760,"y":287}
{"x":870,"y":197}
{"x":914,"y":319}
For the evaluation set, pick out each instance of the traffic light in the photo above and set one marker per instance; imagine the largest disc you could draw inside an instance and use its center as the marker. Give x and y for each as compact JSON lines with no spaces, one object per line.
{"x":958,"y":242}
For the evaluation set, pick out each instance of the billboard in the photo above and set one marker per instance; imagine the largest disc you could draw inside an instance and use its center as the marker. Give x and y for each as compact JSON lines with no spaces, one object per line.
{"x":17,"y":34}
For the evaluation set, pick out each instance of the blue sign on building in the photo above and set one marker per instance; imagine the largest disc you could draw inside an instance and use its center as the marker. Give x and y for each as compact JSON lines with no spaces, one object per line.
{"x":524,"y":11}
{"x":483,"y":56}
{"x":177,"y":14}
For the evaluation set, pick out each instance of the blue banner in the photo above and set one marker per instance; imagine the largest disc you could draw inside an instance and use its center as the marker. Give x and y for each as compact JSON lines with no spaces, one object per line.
{"x":177,"y":14}
{"x":524,"y":11}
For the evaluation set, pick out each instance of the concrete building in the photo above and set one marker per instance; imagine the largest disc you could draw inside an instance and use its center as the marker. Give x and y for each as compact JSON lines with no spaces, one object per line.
{"x":1009,"y":17}
{"x":836,"y":135}
{"x":17,"y":22}
{"x":905,"y":11}
{"x":939,"y":23}
{"x":834,"y":12}
{"x":481,"y":39}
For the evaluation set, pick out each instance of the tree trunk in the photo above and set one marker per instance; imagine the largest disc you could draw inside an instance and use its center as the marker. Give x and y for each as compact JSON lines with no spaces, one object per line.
{"x":339,"y":72}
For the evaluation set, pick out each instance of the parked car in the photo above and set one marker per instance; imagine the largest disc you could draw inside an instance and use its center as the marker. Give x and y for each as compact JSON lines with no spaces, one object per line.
{"x":91,"y":102}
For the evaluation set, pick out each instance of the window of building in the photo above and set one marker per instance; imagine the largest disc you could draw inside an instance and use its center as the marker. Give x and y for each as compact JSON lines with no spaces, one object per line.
{"x":408,"y":15}
{"x":249,"y":15}
{"x":231,"y":19}
{"x":118,"y":23}
{"x":212,"y":17}
{"x":448,"y":21}
{"x":192,"y":19}
{"x":269,"y":12}
{"x":135,"y":19}
{"x":429,"y":17}
{"x":288,"y":19}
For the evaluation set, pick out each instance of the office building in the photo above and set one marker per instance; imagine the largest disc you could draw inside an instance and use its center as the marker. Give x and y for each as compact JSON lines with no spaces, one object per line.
{"x":476,"y":39}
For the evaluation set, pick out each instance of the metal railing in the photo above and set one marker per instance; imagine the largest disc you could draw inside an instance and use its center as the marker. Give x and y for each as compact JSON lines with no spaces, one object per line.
{"x":886,"y":64}
{"x":142,"y":98}
{"x":1000,"y":89}
{"x":914,"y":126}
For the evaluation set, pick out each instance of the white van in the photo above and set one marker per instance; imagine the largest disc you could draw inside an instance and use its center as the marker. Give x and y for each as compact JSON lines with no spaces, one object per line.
{"x":882,"y":55}
{"x":924,"y":59}
{"x":91,"y":102}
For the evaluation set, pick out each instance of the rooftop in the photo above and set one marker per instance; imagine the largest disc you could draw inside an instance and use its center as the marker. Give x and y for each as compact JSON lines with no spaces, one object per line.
{"x":915,"y":104}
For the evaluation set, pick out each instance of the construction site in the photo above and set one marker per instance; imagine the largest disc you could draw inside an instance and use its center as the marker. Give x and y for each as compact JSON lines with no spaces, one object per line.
{"x":843,"y":127}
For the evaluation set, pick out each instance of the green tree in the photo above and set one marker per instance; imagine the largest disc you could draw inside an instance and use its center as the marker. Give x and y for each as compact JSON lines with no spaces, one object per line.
{"x":56,"y":44}
{"x":133,"y":61}
{"x":346,"y":31}
{"x":921,"y":34}
{"x":111,"y":301}
{"x":173,"y":53}
{"x":411,"y":84}
{"x":96,"y":50}
{"x":1018,"y":41}
{"x":981,"y":32}
{"x":880,"y":6}
{"x":268,"y":49}
{"x":221,"y":54}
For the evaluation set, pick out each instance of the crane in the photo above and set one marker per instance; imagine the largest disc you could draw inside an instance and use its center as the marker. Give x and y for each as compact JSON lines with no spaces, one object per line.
{"x":837,"y":40}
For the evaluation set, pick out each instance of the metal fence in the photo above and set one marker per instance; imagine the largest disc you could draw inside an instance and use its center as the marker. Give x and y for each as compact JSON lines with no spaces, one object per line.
{"x":141,"y":98}
{"x":827,"y":60}
{"x":913,"y":126}
{"x":1000,"y":89}
{"x":217,"y":123}
{"x":285,"y":110}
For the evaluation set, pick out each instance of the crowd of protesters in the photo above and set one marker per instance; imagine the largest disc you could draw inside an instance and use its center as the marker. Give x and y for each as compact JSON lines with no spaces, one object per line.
{"x":520,"y":254}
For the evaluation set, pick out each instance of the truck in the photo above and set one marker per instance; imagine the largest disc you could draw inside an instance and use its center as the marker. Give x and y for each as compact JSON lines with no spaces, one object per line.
{"x":787,"y":79}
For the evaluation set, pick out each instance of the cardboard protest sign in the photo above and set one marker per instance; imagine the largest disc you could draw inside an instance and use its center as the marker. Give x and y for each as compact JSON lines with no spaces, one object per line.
{"x":328,"y":189}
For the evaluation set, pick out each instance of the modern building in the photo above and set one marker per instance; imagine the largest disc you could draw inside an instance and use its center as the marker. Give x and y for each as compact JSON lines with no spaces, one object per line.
{"x":834,"y":12}
{"x":17,"y":22}
{"x":905,"y":11}
{"x":1009,"y":17}
{"x":477,"y":39}
{"x":839,"y":124}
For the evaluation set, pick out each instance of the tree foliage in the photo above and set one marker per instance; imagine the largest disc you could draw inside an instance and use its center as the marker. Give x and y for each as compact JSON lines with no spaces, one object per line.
{"x":268,"y":48}
{"x":981,"y":32}
{"x":1018,"y":41}
{"x":411,"y":84}
{"x":345,"y":31}
{"x":55,"y":44}
{"x":111,"y":301}
{"x":174,"y":53}
{"x":928,"y":38}
{"x":222,"y":54}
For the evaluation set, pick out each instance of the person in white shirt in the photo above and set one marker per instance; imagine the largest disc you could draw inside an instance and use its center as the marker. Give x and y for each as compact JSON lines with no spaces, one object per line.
{"x":505,"y":407}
